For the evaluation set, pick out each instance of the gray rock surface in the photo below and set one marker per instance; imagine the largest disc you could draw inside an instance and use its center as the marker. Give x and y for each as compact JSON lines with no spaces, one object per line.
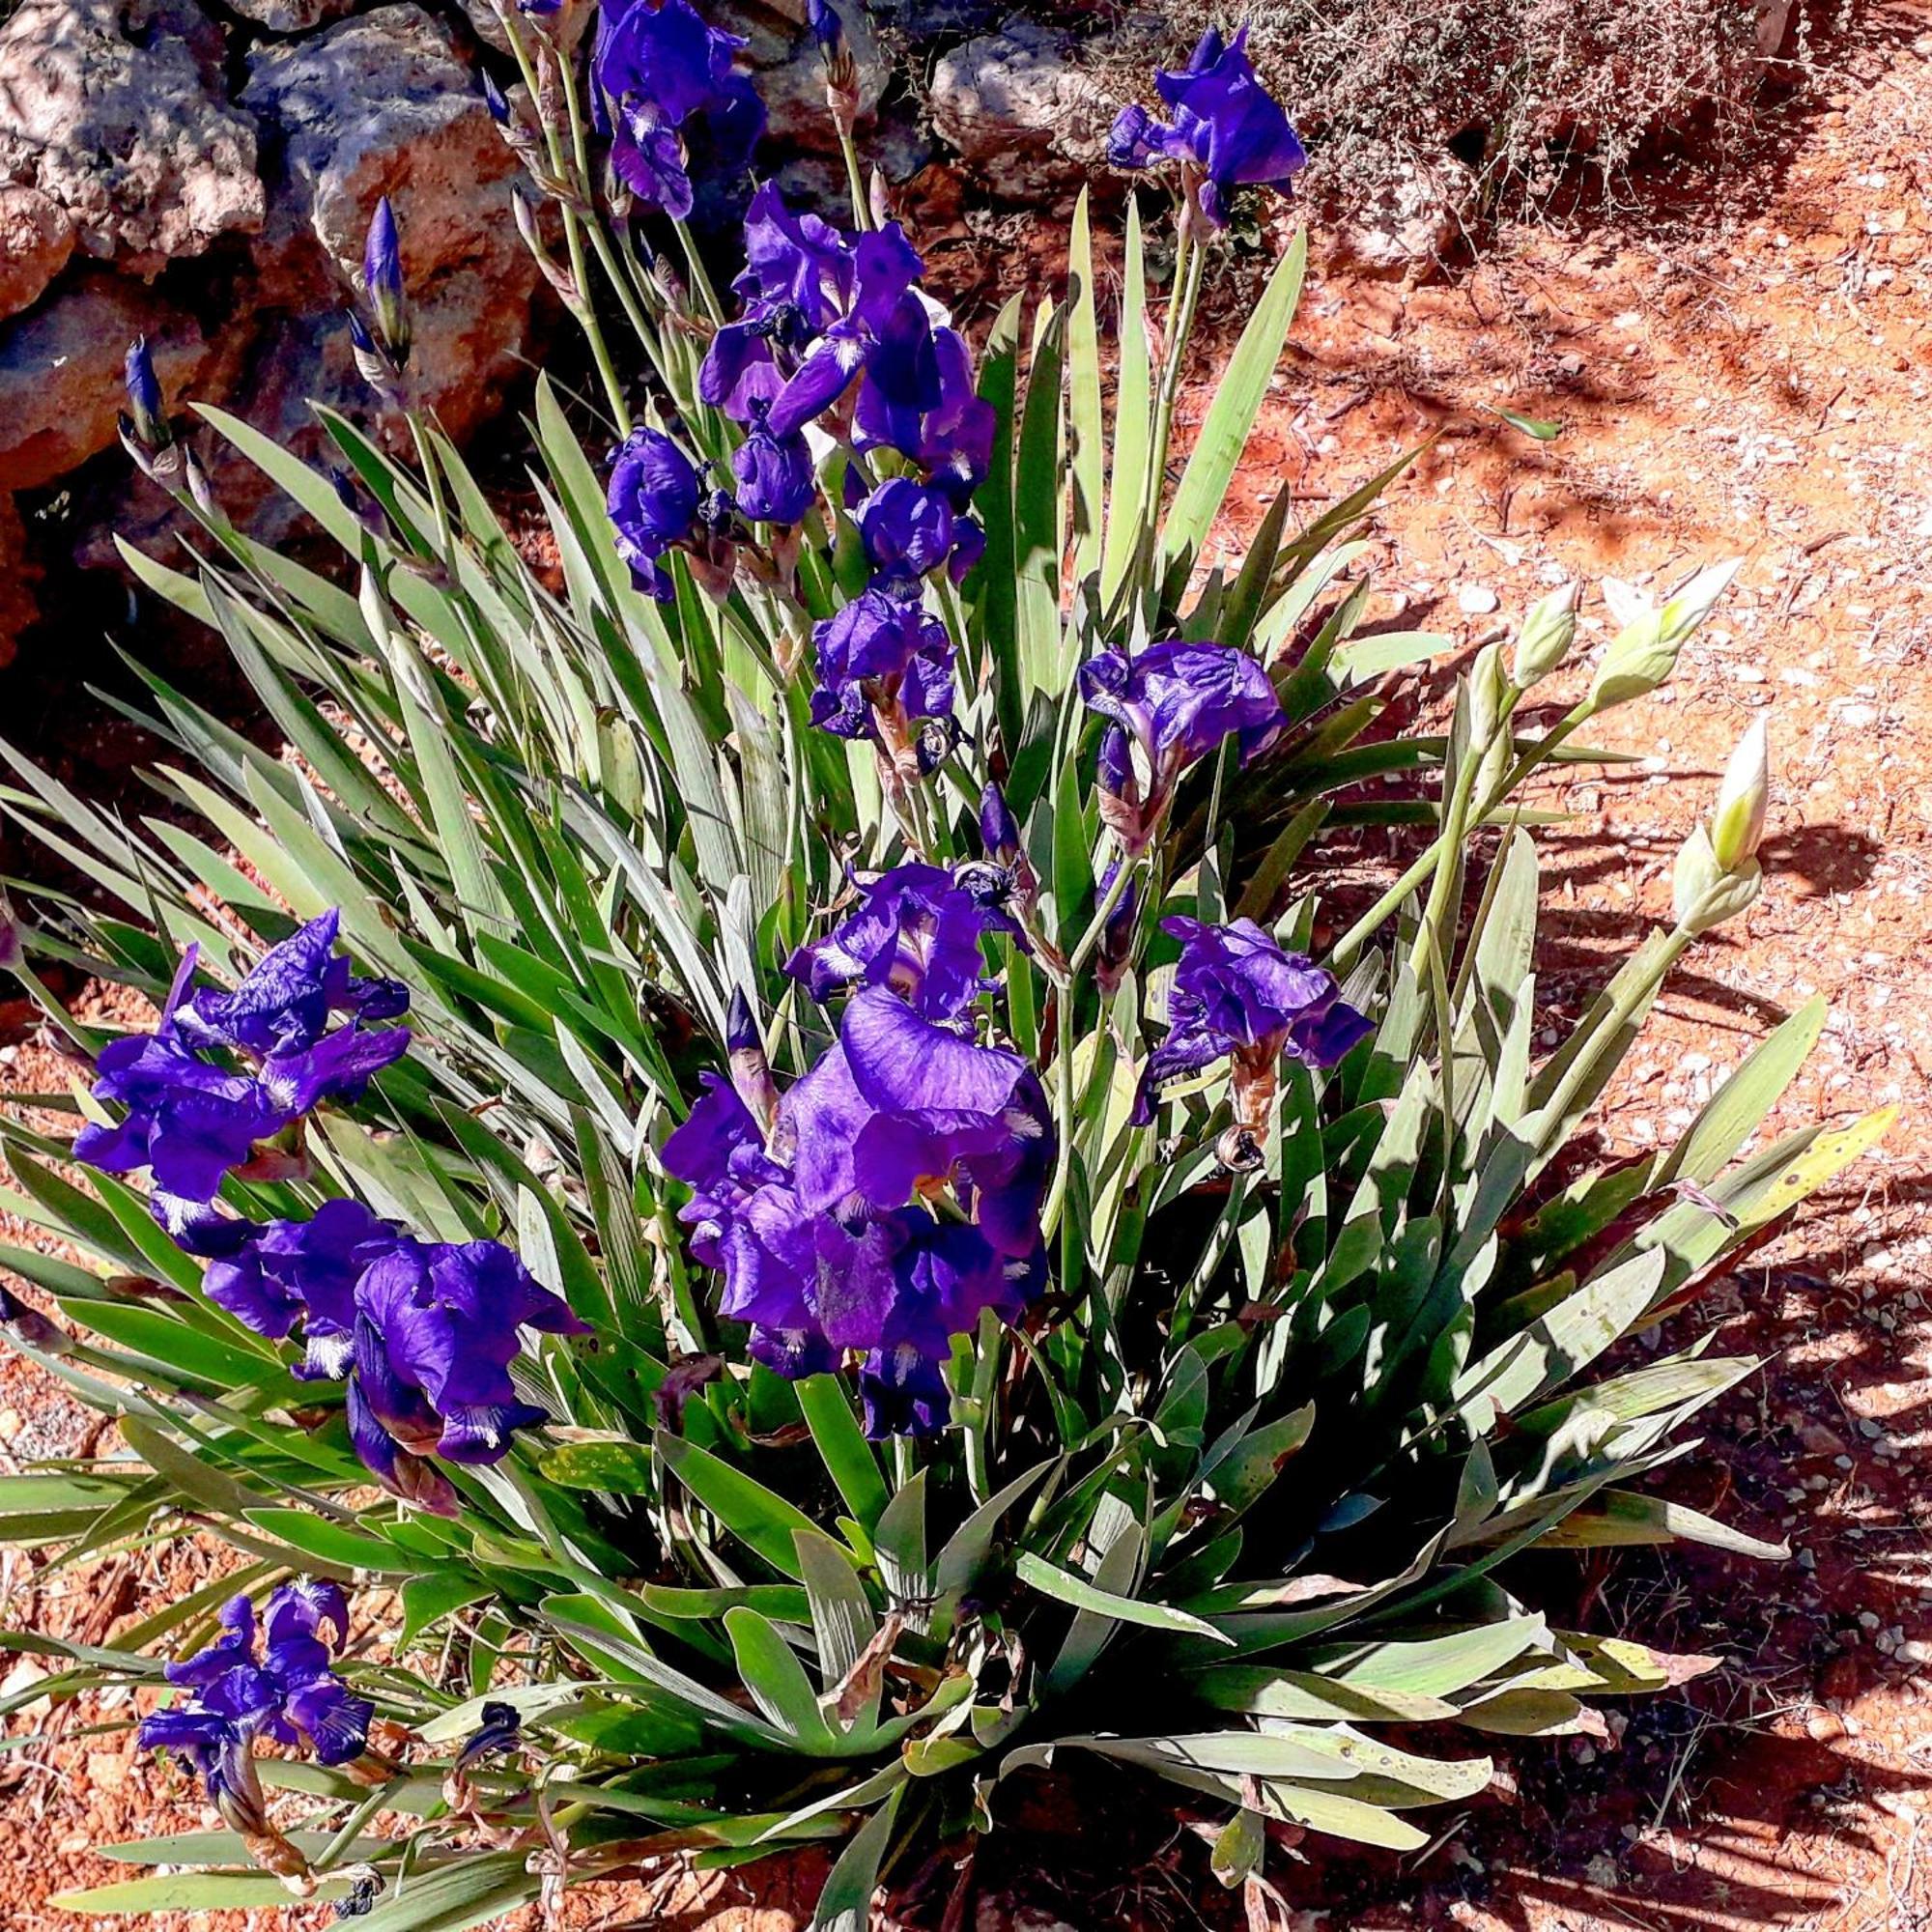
{"x":115,"y":110}
{"x":785,"y":62}
{"x":291,"y":17}
{"x":376,"y":106}
{"x":1024,"y":108}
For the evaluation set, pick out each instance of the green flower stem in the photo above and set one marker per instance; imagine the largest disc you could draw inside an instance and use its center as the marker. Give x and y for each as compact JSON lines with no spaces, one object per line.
{"x":339,"y":1847}
{"x":583,"y":309}
{"x":1065,"y":985}
{"x":1342,"y":954}
{"x":1623,"y":1010}
{"x":1189,"y":267}
{"x":446,"y":539}
{"x":700,"y":276}
{"x":854,"y":180}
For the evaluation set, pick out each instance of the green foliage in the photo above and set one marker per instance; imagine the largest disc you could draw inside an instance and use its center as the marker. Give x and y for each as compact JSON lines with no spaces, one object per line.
{"x":1266,"y":1463}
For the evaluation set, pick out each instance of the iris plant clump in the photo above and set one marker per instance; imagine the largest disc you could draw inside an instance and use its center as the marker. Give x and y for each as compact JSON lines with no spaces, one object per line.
{"x":910,"y":1236}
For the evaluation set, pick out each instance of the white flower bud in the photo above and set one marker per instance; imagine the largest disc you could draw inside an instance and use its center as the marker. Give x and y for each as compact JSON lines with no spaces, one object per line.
{"x":1547,"y":633}
{"x":1644,"y":652}
{"x":1489,"y":686}
{"x":1702,"y":893}
{"x":1737,"y":824}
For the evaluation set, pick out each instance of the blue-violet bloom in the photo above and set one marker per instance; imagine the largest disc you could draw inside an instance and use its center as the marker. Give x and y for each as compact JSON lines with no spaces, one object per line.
{"x":1236,"y":995}
{"x":916,"y":931}
{"x":1174,"y":704}
{"x":1227,"y":129}
{"x":668,"y":78}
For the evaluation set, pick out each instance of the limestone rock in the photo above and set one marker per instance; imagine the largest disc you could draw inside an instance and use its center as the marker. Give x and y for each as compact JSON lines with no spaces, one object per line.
{"x":291,"y":17}
{"x":115,"y":110}
{"x":376,"y":106}
{"x":36,"y":239}
{"x":60,"y":372}
{"x":1024,"y":108}
{"x":784,"y":61}
{"x":1413,"y":221}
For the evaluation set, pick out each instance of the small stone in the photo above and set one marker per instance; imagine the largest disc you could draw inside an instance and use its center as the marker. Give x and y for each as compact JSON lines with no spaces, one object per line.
{"x":1477,"y":600}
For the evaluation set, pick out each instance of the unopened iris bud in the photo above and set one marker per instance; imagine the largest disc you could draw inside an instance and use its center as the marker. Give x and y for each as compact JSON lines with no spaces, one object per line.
{"x":1120,"y":789}
{"x":827,"y":28}
{"x":28,"y":1328}
{"x":147,"y":421}
{"x":1118,"y":935}
{"x":1716,"y":874}
{"x":1547,"y":633}
{"x":1737,"y":824}
{"x":751,"y":1072}
{"x":495,"y":100}
{"x":383,"y":284}
{"x":1489,"y":687}
{"x":1644,"y":652}
{"x":998,"y":828}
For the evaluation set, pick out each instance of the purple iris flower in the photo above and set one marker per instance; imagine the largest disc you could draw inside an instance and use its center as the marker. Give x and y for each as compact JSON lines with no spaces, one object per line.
{"x":916,"y":931}
{"x":906,"y":528}
{"x":882,"y":661}
{"x":918,"y":397}
{"x":902,"y":1104}
{"x":1175,"y":703}
{"x":816,"y":300}
{"x":436,"y":1331}
{"x":946,"y":1277}
{"x":819,"y":1224}
{"x":284,"y":1004}
{"x":666,"y":75}
{"x":304,"y":1273}
{"x":1236,"y":995}
{"x":657,"y":501}
{"x":191,"y":1119}
{"x":776,"y":478}
{"x":289,"y":1691}
{"x":1226,"y":130}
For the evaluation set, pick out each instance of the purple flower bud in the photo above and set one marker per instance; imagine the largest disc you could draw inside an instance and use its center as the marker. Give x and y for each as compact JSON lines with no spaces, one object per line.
{"x":745,"y":1047}
{"x":495,"y":100}
{"x":1227,"y":129}
{"x":1118,"y":935}
{"x":998,"y":828}
{"x":382,"y":285}
{"x":776,"y":478}
{"x":822,"y":19}
{"x":147,"y":417}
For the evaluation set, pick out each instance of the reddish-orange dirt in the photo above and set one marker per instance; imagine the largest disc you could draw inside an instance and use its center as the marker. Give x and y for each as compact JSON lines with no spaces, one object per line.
{"x":1745,"y":370}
